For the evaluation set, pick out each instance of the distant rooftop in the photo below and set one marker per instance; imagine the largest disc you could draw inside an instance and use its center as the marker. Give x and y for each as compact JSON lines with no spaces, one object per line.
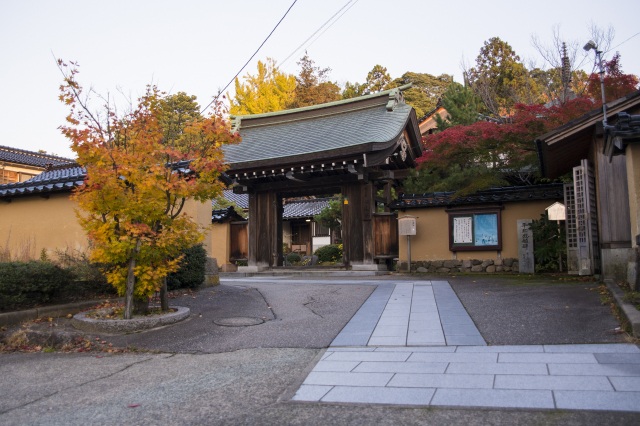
{"x":30,"y":158}
{"x":297,"y":209}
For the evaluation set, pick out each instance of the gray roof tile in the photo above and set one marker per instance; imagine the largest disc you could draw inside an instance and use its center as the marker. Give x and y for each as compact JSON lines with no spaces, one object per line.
{"x":552,"y":191}
{"x":57,"y":180}
{"x":339,"y":125}
{"x":30,"y":158}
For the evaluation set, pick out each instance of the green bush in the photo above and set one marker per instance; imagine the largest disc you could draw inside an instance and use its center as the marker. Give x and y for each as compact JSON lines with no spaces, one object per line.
{"x":192,"y":269}
{"x":30,"y":283}
{"x":549,"y":245}
{"x":329,"y":253}
{"x":293,"y":258}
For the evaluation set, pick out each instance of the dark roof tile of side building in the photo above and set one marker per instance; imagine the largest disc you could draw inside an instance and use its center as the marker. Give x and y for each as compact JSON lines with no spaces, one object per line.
{"x":59,"y":179}
{"x":492,"y":195}
{"x":296,"y":209}
{"x":30,"y":158}
{"x":301,"y":209}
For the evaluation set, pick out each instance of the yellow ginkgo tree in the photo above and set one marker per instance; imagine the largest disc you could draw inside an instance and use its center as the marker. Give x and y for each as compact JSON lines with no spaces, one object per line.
{"x":141,"y":168}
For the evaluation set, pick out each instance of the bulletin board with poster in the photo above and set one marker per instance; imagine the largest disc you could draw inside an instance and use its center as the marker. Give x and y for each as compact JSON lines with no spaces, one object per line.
{"x":474,"y":230}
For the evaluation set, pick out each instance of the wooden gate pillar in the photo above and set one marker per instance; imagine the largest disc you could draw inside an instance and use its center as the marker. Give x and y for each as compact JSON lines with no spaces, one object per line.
{"x":357,"y":226}
{"x":265,"y":231}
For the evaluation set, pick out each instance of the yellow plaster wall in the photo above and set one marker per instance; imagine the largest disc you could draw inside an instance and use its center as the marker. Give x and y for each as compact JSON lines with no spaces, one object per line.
{"x":30,"y":224}
{"x":201,"y":213}
{"x":431,"y":241}
{"x":220,"y":242}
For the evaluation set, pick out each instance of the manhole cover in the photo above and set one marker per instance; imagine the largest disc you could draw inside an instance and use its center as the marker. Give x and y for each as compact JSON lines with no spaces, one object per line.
{"x":238,"y":321}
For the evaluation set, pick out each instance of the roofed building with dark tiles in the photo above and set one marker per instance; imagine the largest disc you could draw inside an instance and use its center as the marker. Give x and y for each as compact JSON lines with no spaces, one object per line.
{"x":492,"y":195}
{"x":60,"y":179}
{"x":30,"y":158}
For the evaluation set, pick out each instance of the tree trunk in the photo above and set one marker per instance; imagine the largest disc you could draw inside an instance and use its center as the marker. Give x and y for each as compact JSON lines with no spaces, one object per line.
{"x":164,"y":296}
{"x":131,"y":281}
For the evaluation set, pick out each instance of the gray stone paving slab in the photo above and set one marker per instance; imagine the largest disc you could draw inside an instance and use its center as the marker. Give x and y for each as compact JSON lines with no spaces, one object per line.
{"x":597,"y":400}
{"x":438,"y":349}
{"x":553,"y":382}
{"x":311,"y":392}
{"x":379,"y":396}
{"x":457,"y":381}
{"x":496,"y":368}
{"x":368,"y":356}
{"x":348,"y":379}
{"x":465,"y":340}
{"x":453,"y":357}
{"x":400,"y":367}
{"x":502,"y":349}
{"x":387,"y":341}
{"x":594,"y":369}
{"x":610,"y":358}
{"x":451,"y":365}
{"x":627,"y":384}
{"x":493,"y":398}
{"x":325,"y":365}
{"x":561,"y":358}
{"x":351,"y":349}
{"x":390,"y":330}
{"x":593,"y":348}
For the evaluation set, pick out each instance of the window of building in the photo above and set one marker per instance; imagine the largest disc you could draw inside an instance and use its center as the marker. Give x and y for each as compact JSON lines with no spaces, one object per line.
{"x":320,"y":231}
{"x":7,"y":176}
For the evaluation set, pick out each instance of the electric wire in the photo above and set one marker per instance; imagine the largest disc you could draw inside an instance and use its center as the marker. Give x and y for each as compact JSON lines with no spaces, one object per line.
{"x":620,"y":44}
{"x":336,"y":20}
{"x":318,"y":30}
{"x":249,"y":60}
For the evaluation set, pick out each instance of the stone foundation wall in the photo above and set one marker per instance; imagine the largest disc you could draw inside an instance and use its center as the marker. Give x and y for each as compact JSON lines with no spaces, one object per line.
{"x":474,"y":265}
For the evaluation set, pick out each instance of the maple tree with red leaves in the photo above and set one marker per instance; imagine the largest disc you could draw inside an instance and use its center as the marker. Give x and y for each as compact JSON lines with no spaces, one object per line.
{"x":141,"y":168}
{"x":469,"y":158}
{"x":616,"y":83}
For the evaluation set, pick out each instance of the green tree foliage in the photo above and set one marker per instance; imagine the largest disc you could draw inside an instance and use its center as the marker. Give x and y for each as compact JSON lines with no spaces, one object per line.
{"x":378,"y":79}
{"x":462,"y":106}
{"x":267,"y":91}
{"x":549,"y":245}
{"x":330,"y":253}
{"x":313,"y":86}
{"x":192,"y":269}
{"x":501,"y":80}
{"x":331,"y":216}
{"x":426,"y":90}
{"x":353,"y":90}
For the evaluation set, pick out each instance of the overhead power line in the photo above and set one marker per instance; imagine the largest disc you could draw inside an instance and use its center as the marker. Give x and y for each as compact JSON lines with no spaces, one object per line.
{"x":249,"y":60}
{"x":352,"y":2}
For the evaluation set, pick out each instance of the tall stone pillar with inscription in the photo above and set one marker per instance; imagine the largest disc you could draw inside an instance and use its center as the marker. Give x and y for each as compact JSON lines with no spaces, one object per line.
{"x":525,"y":247}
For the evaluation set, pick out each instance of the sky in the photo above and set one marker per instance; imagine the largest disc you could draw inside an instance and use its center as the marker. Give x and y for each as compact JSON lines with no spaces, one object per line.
{"x":197,"y":46}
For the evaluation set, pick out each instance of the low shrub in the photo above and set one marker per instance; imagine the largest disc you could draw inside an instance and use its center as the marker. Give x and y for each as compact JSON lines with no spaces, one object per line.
{"x":293,"y":258}
{"x":192,"y":269}
{"x":30,"y":283}
{"x":329,"y":253}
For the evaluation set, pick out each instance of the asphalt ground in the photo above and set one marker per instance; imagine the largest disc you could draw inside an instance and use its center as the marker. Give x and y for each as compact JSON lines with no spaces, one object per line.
{"x":200,"y":373}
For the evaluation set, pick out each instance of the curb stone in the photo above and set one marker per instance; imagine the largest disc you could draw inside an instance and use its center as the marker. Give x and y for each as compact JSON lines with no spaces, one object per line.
{"x":628,"y":310}
{"x":16,"y":317}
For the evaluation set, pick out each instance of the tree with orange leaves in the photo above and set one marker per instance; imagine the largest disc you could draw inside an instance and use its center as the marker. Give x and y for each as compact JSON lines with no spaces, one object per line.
{"x":141,"y":168}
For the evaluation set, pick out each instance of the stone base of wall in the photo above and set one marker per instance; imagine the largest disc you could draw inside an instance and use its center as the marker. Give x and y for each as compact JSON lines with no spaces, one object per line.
{"x":490,"y":266}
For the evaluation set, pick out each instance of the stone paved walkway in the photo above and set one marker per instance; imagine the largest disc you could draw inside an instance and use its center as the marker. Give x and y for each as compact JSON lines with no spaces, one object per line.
{"x":414,"y":343}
